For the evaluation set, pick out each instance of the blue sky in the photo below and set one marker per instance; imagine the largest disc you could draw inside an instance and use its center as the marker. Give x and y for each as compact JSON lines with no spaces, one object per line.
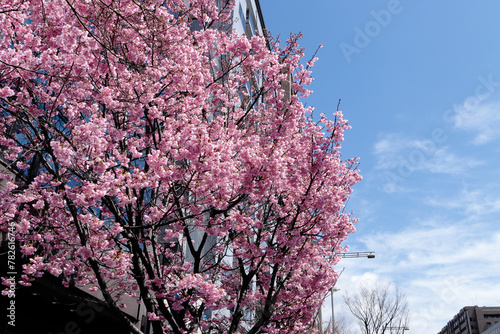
{"x":420,"y":85}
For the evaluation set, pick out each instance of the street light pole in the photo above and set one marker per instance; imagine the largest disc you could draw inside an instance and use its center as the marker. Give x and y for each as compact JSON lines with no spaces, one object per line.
{"x":333,"y":313}
{"x":347,"y":255}
{"x":351,"y":255}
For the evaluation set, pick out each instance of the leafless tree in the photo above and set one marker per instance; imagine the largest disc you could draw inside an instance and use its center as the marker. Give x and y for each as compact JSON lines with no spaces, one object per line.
{"x":379,"y":310}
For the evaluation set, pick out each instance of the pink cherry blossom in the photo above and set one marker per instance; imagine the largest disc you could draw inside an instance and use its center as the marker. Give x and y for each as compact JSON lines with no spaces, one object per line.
{"x":178,"y":164}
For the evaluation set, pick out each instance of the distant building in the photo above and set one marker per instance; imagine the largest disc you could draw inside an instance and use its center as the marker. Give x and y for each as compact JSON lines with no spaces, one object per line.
{"x":474,"y":320}
{"x":247,"y":18}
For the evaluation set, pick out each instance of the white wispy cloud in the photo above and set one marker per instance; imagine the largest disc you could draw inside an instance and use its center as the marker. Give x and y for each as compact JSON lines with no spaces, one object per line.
{"x":440,"y":270}
{"x":471,"y":202}
{"x":405,"y":154}
{"x":399,"y":156}
{"x":479,"y":116}
{"x":443,"y":260}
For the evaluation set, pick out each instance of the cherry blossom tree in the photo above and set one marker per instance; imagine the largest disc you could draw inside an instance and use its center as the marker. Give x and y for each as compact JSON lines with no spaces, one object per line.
{"x":149,"y":151}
